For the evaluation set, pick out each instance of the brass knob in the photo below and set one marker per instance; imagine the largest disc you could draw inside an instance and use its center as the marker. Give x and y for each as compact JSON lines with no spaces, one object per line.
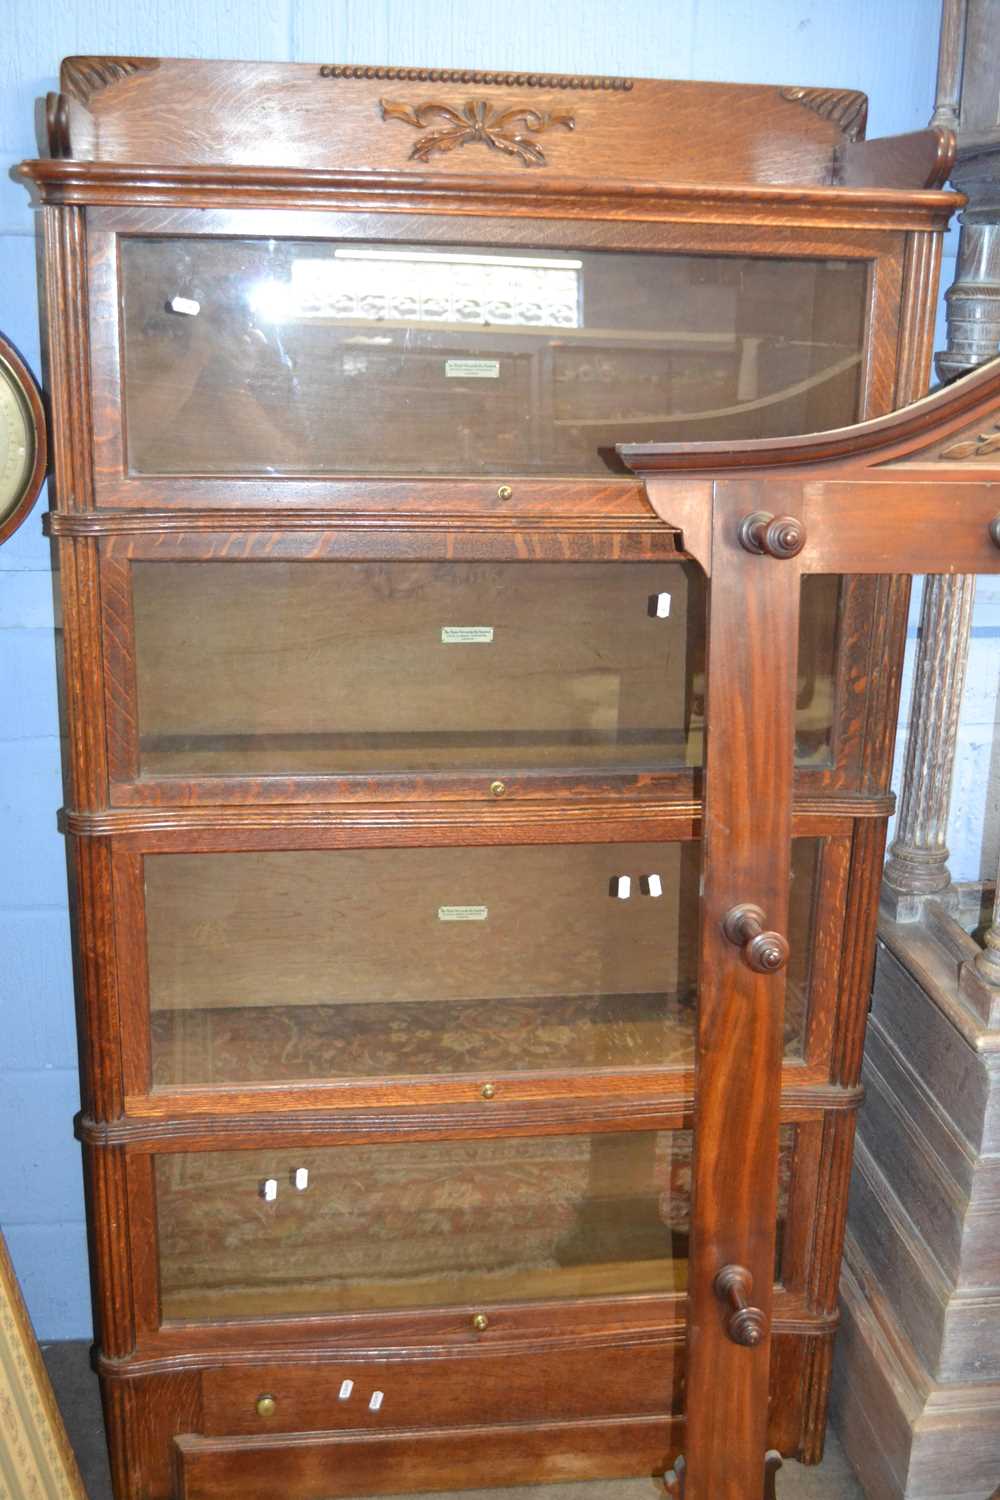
{"x":504,"y":492}
{"x":745,"y":1325}
{"x":498,"y":788}
{"x":480,"y":1322}
{"x":266,"y":1406}
{"x":764,"y":952}
{"x":488,"y":1090}
{"x":777,"y":536}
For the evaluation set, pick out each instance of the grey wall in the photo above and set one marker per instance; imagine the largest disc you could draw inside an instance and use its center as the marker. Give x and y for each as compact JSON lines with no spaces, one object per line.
{"x":886,"y":47}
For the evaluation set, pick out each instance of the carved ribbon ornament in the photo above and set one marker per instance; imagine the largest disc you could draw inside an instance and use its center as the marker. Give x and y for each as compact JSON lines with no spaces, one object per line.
{"x":477,"y":121}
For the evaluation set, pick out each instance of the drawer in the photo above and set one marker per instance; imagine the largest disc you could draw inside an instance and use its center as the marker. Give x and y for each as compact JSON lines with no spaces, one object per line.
{"x":484,"y":1386}
{"x":540,"y":1414}
{"x":331,"y":1465}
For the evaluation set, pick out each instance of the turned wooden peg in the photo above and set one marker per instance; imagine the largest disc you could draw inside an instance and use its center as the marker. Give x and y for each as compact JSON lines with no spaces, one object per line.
{"x":775,"y":536}
{"x":764,"y":952}
{"x":745,"y":1325}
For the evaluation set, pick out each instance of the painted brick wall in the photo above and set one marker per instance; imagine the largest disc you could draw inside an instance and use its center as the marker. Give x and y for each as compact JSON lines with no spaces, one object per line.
{"x":886,"y":47}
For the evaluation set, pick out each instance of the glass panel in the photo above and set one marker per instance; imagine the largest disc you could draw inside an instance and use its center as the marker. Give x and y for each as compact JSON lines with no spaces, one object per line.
{"x":378,"y":962}
{"x":256,"y":668}
{"x":289,"y":357}
{"x":426,"y":1225}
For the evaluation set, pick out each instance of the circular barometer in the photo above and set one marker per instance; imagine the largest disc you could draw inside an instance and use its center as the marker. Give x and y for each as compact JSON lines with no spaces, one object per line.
{"x":22,"y":440}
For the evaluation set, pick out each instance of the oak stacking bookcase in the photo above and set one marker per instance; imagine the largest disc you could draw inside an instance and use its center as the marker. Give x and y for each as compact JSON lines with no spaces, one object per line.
{"x":387,"y":706}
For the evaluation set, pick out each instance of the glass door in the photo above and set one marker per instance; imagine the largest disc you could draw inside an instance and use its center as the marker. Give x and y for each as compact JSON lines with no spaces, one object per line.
{"x":485,"y":964}
{"x":280,"y":357}
{"x":247,"y":679}
{"x":439,"y":1225}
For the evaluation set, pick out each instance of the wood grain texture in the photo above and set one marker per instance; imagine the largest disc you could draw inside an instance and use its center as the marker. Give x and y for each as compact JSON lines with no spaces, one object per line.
{"x":317,"y":1467}
{"x":746,"y":842}
{"x":276,"y":188}
{"x":924,"y":157}
{"x":195,"y":1119}
{"x":142,"y":112}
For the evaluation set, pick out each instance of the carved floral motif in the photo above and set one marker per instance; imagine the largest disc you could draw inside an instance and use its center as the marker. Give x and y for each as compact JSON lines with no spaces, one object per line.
{"x":477,"y":121}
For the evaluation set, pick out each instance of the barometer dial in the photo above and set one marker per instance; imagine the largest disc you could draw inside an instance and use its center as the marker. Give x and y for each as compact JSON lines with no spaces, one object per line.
{"x":22,"y":440}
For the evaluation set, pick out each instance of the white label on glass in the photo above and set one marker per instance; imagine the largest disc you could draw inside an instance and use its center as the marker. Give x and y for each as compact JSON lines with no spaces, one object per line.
{"x":463,"y":913}
{"x":472,"y":369}
{"x":466,"y":635}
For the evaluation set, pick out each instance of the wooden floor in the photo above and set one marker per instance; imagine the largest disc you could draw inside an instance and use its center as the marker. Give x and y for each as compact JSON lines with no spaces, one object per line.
{"x":77,"y":1394}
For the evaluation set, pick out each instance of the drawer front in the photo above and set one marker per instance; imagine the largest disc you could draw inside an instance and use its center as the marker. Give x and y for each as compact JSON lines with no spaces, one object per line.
{"x":502,"y":1385}
{"x":567,"y":1413}
{"x":329,"y":1466}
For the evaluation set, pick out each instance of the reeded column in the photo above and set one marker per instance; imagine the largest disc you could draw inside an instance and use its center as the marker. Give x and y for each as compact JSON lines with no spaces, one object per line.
{"x":918,"y":860}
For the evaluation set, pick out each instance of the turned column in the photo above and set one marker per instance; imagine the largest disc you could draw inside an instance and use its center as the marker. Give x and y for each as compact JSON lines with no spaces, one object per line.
{"x":918,"y":860}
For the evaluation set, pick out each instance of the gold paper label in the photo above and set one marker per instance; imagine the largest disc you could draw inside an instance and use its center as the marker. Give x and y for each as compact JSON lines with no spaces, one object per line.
{"x":462,"y":913}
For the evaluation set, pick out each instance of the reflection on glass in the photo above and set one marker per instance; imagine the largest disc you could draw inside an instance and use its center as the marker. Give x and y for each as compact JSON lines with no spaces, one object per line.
{"x":289,"y":357}
{"x":375,"y":963}
{"x":426,"y":1225}
{"x":406,"y":667}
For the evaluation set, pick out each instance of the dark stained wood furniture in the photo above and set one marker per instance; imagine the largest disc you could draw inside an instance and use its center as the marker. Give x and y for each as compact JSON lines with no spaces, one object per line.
{"x":919,"y":490}
{"x":386,"y":705}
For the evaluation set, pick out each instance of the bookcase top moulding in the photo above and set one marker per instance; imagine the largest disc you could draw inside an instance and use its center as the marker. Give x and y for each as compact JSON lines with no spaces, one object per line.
{"x":275,"y":123}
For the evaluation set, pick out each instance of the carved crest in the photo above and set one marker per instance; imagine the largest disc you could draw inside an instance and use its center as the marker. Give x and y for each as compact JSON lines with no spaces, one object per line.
{"x":845,"y":108}
{"x":502,"y":129}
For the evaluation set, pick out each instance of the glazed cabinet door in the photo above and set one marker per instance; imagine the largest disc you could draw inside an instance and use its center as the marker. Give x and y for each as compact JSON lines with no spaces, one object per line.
{"x":498,"y":663}
{"x":478,"y":1238}
{"x":357,"y":975}
{"x":244,"y":356}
